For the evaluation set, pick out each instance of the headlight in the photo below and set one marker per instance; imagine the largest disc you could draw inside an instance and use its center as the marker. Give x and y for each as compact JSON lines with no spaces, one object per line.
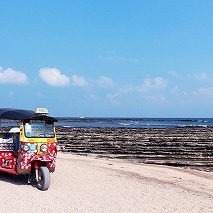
{"x":58,"y":148}
{"x":32,"y":147}
{"x":43,"y":148}
{"x":25,"y":147}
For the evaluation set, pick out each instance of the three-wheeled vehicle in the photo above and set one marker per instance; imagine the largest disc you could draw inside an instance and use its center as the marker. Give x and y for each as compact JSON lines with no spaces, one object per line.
{"x":31,"y":148}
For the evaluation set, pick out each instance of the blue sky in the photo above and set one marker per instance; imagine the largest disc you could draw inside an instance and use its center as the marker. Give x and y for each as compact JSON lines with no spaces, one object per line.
{"x":108,"y":58}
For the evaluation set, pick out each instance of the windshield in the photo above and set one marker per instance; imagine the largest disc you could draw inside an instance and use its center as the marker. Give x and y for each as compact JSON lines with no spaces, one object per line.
{"x":39,"y":129}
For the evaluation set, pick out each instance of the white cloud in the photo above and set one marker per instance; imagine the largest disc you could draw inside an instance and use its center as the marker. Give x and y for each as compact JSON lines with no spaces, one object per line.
{"x":177,"y":91}
{"x":201,"y":77}
{"x":12,"y":76}
{"x":53,"y":77}
{"x":121,"y":91}
{"x":112,"y":96}
{"x":79,"y":81}
{"x":204,"y":91}
{"x":153,"y":84}
{"x":173,"y":73}
{"x":104,"y":81}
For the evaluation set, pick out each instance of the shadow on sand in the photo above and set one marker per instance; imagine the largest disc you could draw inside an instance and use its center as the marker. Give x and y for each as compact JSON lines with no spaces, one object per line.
{"x":14,"y":179}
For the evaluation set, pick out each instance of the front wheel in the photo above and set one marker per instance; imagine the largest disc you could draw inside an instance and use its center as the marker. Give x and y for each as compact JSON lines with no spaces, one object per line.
{"x":43,"y":182}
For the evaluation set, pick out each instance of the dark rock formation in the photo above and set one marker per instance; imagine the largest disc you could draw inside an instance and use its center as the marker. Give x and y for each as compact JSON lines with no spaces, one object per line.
{"x":187,"y":146}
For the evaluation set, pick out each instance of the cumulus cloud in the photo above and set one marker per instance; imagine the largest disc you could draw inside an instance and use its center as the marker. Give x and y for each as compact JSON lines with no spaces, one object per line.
{"x":153,"y":84}
{"x":104,"y":81}
{"x":53,"y":77}
{"x":12,"y":76}
{"x":78,"y":81}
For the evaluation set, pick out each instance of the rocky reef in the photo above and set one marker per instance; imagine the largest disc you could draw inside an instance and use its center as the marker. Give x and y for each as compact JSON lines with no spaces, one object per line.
{"x":185,"y":147}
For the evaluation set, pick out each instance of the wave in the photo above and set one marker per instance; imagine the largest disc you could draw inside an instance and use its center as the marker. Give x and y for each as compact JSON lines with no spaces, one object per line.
{"x":135,"y":122}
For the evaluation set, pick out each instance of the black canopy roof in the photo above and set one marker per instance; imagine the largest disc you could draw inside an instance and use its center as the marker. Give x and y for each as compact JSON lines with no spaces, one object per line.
{"x":20,"y":114}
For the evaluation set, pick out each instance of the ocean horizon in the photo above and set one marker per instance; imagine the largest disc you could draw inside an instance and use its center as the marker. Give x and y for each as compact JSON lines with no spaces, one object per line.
{"x":102,"y":122}
{"x":133,"y":122}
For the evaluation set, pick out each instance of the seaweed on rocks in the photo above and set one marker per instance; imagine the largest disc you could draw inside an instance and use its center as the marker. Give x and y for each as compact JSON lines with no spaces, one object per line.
{"x":184,"y":147}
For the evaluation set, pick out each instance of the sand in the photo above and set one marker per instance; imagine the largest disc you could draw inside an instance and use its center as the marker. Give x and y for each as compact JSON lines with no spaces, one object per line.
{"x":87,"y":184}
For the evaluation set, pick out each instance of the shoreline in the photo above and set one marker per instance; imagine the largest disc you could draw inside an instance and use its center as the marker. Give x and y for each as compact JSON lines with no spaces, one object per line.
{"x":190,"y":147}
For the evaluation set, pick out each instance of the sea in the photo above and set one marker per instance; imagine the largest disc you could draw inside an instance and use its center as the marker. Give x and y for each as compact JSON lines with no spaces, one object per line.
{"x":135,"y":122}
{"x":127,"y":122}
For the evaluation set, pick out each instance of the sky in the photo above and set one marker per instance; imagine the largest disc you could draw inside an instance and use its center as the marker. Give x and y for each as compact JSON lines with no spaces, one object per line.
{"x":108,"y":58}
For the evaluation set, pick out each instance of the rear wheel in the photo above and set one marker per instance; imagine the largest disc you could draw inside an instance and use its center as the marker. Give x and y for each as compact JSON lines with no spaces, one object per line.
{"x":43,"y":182}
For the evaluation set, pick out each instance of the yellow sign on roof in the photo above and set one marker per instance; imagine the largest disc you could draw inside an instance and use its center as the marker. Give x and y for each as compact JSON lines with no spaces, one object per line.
{"x":41,"y":111}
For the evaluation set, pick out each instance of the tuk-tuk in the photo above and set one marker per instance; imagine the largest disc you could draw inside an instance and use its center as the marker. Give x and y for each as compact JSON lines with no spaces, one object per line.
{"x":31,"y":148}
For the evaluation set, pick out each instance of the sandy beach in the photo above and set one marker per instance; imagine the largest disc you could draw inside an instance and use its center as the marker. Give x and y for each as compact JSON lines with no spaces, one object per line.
{"x":88,"y":184}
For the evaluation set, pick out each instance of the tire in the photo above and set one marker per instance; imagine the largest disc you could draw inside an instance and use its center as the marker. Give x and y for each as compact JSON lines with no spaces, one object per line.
{"x":43,"y":178}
